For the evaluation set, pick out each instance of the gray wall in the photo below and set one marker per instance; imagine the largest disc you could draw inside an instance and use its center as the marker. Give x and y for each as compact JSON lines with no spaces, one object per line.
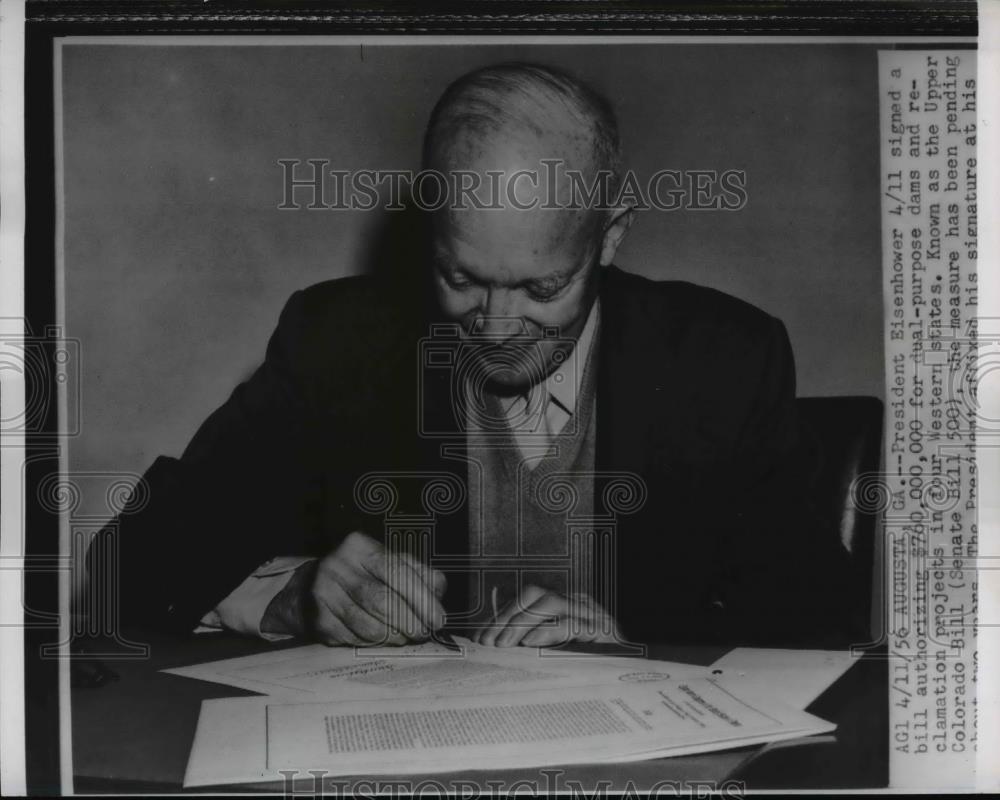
{"x":178,"y":261}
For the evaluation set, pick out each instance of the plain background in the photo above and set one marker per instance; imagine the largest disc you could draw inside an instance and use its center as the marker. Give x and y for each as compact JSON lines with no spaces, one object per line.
{"x":178,"y":261}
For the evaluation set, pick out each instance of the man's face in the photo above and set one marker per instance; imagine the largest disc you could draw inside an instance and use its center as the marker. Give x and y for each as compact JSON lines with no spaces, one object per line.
{"x":514,"y":276}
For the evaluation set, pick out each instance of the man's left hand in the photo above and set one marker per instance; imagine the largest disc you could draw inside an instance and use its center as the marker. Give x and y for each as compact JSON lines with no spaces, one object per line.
{"x":543,"y":618}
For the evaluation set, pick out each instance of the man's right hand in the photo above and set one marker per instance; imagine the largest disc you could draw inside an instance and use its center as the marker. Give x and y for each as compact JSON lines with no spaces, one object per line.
{"x":362,"y":595}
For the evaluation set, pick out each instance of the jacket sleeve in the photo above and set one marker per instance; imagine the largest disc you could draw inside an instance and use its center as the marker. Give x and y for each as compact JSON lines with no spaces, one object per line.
{"x":200,"y":524}
{"x":783,"y":570}
{"x":778,"y":573}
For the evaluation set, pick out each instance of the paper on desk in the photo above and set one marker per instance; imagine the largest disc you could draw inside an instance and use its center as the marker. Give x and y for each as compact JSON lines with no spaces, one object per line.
{"x":251,"y":739}
{"x":796,"y":677}
{"x":429,"y":670}
{"x":262,"y":672}
{"x":230,"y":743}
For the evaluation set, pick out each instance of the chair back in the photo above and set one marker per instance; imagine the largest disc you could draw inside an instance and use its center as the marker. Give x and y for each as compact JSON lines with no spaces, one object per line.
{"x":845,"y":436}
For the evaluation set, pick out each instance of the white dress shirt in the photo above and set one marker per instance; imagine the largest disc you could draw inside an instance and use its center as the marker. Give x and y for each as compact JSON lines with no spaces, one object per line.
{"x":542,"y":412}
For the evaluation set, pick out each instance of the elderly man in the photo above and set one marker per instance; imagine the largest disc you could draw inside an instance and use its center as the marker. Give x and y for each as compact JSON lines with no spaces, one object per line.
{"x":532,"y":382}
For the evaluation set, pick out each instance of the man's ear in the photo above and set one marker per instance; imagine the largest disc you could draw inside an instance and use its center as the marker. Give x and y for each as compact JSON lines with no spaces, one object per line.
{"x":614,"y":233}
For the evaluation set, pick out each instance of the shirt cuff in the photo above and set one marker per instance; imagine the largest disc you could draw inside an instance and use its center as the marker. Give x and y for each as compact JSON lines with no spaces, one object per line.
{"x":243,"y":609}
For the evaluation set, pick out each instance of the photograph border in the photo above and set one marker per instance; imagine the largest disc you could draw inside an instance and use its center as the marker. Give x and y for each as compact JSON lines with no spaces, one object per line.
{"x":47,"y":679}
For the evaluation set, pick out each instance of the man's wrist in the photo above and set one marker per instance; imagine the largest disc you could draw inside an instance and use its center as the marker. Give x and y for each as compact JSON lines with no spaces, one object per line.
{"x":290,"y":612}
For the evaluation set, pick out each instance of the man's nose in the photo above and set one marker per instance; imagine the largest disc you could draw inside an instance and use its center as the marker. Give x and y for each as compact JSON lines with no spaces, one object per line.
{"x":498,"y":318}
{"x":498,"y":328}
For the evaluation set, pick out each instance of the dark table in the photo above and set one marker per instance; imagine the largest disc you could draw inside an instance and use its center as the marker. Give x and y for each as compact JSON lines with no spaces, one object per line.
{"x":134,"y":734}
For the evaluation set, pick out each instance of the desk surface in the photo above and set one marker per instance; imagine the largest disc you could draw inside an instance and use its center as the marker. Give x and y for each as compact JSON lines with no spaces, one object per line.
{"x":134,"y":734}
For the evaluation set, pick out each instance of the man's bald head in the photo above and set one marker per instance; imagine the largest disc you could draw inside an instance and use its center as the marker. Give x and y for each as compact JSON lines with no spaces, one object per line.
{"x":529,"y":265}
{"x":537,"y":110}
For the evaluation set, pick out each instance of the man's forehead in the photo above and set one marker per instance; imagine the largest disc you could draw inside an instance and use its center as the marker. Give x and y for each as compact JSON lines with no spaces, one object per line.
{"x":524,"y":243}
{"x":541,"y":229}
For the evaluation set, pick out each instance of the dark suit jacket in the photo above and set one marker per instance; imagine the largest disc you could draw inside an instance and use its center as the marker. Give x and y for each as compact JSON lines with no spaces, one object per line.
{"x":695,"y":395}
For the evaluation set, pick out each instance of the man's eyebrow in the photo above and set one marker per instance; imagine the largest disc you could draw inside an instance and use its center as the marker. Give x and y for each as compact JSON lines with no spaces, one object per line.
{"x":553,"y":280}
{"x":448,"y":265}
{"x":443,"y":259}
{"x":448,"y":261}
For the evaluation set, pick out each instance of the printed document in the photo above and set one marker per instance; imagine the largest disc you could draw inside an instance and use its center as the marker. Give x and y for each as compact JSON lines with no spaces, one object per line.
{"x":253,"y":739}
{"x":582,"y":724}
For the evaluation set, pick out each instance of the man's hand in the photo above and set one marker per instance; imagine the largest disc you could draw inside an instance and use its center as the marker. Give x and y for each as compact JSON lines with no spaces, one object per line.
{"x":363,"y":595}
{"x":542,"y":618}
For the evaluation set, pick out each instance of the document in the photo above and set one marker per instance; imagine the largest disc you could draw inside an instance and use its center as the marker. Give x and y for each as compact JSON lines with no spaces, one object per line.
{"x":428,"y":708}
{"x":531,"y":729}
{"x":796,"y":677}
{"x":230,"y":743}
{"x":429,"y":670}
{"x":255,"y":738}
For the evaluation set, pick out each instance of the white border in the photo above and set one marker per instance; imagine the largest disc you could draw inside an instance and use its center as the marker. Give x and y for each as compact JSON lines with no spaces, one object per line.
{"x":12,"y":753}
{"x":65,"y":542}
{"x":988,"y":458}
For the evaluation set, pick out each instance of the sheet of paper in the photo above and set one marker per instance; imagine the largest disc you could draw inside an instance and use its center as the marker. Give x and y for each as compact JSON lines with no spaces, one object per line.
{"x":230,"y":745}
{"x":628,"y":721}
{"x":796,"y":677}
{"x":239,"y":672}
{"x":315,"y":672}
